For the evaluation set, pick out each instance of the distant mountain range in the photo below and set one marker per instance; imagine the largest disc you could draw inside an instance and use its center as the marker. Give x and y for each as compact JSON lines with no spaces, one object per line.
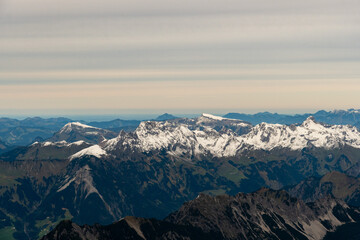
{"x":338,"y":117}
{"x":15,"y":132}
{"x":165,"y":117}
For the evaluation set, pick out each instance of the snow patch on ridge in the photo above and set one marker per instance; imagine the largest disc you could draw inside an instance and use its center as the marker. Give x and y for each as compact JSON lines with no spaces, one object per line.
{"x":78,"y":143}
{"x":209,"y":118}
{"x":78,"y":124}
{"x":94,"y":150}
{"x":214,"y":117}
{"x":59,"y":144}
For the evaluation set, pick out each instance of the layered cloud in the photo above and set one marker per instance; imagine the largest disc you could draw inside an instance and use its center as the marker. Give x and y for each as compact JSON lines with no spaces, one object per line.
{"x":218,"y":53}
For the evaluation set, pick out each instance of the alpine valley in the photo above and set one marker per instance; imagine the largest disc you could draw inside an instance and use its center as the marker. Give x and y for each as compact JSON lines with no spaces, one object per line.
{"x":208,"y":177}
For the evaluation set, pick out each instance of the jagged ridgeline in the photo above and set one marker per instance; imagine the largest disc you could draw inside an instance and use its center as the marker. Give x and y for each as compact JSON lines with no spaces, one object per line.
{"x":91,"y":175}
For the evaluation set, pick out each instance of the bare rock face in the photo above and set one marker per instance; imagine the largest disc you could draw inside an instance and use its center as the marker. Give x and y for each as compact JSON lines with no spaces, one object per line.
{"x":265,"y":214}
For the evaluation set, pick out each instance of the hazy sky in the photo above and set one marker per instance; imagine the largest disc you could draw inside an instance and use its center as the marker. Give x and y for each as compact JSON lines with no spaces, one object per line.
{"x":111,"y":56}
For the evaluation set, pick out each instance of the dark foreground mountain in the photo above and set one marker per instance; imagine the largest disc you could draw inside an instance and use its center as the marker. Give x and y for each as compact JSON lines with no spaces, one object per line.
{"x":129,"y":228}
{"x":153,"y":170}
{"x":264,"y":214}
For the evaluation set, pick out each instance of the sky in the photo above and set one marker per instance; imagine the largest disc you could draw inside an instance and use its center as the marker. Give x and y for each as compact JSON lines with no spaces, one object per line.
{"x":132,"y":57}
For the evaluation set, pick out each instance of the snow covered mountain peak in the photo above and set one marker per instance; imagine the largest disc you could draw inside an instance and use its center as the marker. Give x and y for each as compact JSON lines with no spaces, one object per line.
{"x":310,"y":122}
{"x":75,"y":125}
{"x":158,"y":135}
{"x":270,"y":136}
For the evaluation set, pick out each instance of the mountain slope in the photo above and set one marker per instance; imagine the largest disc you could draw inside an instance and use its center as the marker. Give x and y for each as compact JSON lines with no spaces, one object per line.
{"x":23,"y":132}
{"x":76,"y":131}
{"x":336,"y":184}
{"x":3,"y":147}
{"x":45,"y":151}
{"x":15,"y":132}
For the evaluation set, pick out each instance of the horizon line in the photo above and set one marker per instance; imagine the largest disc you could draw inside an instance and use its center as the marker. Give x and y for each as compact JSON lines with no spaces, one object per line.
{"x":148,"y":114}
